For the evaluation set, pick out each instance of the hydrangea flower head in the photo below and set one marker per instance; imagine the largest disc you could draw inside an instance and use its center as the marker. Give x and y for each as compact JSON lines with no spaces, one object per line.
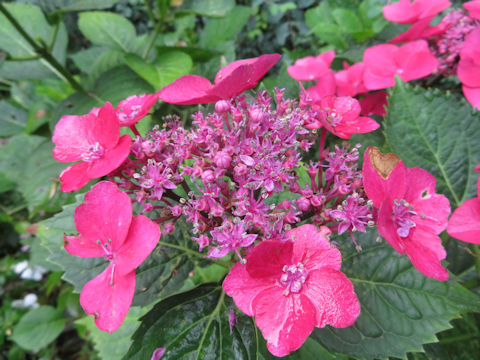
{"x":290,"y":287}
{"x":411,"y":214}
{"x":94,"y":139}
{"x":107,"y":229}
{"x":230,"y":81}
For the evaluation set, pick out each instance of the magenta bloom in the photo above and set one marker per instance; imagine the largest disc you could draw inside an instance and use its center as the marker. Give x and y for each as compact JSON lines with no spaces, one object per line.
{"x":325,"y":86}
{"x":410,"y":61}
{"x":293,"y":286}
{"x":464,"y":224}
{"x":341,"y":116}
{"x":469,"y":68}
{"x":134,"y":108}
{"x":420,"y":30}
{"x":230,"y":81}
{"x":311,"y":68}
{"x":411,"y":214}
{"x":407,"y":12}
{"x":350,"y":80}
{"x":374,"y":103}
{"x":106,"y":228}
{"x":95,"y":140}
{"x":473,"y":8}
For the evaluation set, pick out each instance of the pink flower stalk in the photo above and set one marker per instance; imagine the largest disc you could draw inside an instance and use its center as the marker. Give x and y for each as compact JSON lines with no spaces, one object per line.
{"x":230,"y":81}
{"x":469,"y":68}
{"x":407,"y":12}
{"x":107,"y":229}
{"x":95,"y":140}
{"x":290,"y":287}
{"x":134,"y":108}
{"x":311,"y":68}
{"x":341,"y":116}
{"x":411,"y":214}
{"x":473,"y":8}
{"x":410,"y":61}
{"x":464,"y":224}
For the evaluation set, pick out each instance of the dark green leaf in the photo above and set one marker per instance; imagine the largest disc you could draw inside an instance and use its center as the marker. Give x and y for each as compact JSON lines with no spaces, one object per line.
{"x":167,"y":67}
{"x":38,"y":328}
{"x":108,"y":29}
{"x":401,"y":309}
{"x":347,"y":20}
{"x":211,"y":8}
{"x":198,"y":55}
{"x":12,"y":119}
{"x":194,"y":325}
{"x":320,"y":20}
{"x":432,"y":130}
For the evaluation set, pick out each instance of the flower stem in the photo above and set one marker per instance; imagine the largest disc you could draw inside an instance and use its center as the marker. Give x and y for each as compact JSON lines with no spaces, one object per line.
{"x":194,"y":253}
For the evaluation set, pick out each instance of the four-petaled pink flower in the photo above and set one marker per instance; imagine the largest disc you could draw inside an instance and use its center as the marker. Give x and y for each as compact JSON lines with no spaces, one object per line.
{"x":410,"y":61}
{"x":464,"y":224}
{"x":134,"y":108}
{"x":311,"y":68}
{"x":293,"y":286}
{"x":95,"y":140}
{"x":411,"y":214}
{"x":407,"y":12}
{"x":106,"y":228}
{"x":230,"y":81}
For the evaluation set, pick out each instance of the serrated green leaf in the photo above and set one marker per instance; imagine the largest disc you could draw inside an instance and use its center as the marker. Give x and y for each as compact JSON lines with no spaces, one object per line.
{"x":38,"y":328}
{"x":108,"y":29}
{"x":33,"y":21}
{"x":210,"y":8}
{"x":436,"y":132}
{"x":167,"y":67}
{"x":401,"y":309}
{"x":194,"y":325}
{"x":113,"y":346}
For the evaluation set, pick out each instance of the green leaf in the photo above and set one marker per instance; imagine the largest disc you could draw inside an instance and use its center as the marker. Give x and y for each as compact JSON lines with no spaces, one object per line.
{"x":434,"y":131}
{"x":320,"y":20}
{"x":96,"y":60}
{"x":108,"y":29}
{"x":33,"y":21}
{"x":38,"y":328}
{"x":401,"y":309}
{"x":27,"y":160}
{"x":347,"y":20}
{"x":218,"y":31}
{"x":198,"y":55}
{"x":195,"y":325}
{"x":71,"y":5}
{"x":167,"y":67}
{"x":12,"y":119}
{"x":113,"y":346}
{"x":210,"y":8}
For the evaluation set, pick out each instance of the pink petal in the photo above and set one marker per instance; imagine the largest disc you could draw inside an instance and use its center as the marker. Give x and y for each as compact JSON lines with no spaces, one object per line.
{"x":243,"y":288}
{"x":380,"y":66}
{"x":327,"y":57}
{"x":134,"y":108}
{"x":239,"y":80}
{"x":469,"y":72}
{"x":105,"y":214}
{"x":106,"y":130}
{"x":471,"y":45}
{"x":406,"y":12}
{"x":308,"y":69}
{"x":188,"y":90}
{"x":419,"y":30}
{"x":72,"y":137}
{"x":312,"y":248}
{"x":350,"y":81}
{"x":81,"y":247}
{"x":108,"y":298}
{"x":474,"y":8}
{"x":464,"y":224}
{"x":472,"y":95}
{"x":111,"y":160}
{"x":426,"y":252}
{"x":333,"y":297}
{"x":388,"y":229}
{"x":374,"y":103}
{"x":74,"y":177}
{"x":325,"y":86}
{"x":416,"y":60}
{"x":268,"y":258}
{"x":142,"y":238}
{"x":260,"y":66}
{"x":285,"y":321}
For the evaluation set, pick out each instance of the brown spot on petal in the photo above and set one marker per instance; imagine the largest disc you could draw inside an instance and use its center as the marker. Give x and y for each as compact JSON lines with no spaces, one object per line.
{"x":383,"y":163}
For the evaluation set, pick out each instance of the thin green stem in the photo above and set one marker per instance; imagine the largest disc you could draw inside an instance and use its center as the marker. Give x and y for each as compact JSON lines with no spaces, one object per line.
{"x":476,"y":253}
{"x":23,"y":58}
{"x":148,"y":6}
{"x":194,"y":253}
{"x":42,"y":51}
{"x":152,"y":39}
{"x":53,"y":38}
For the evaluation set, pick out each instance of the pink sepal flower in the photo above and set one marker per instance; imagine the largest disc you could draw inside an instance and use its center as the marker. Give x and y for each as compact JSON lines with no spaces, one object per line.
{"x":469,"y":68}
{"x":230,"y":81}
{"x":411,"y":214}
{"x":341,"y":116}
{"x":374,"y":103}
{"x":350,"y":81}
{"x":325,"y":86}
{"x":292,"y":287}
{"x":464,"y":224}
{"x":473,"y":8}
{"x":106,"y":228}
{"x":411,"y":61}
{"x":420,"y":30}
{"x":95,"y":140}
{"x":407,"y":12}
{"x":311,"y":68}
{"x":134,"y":108}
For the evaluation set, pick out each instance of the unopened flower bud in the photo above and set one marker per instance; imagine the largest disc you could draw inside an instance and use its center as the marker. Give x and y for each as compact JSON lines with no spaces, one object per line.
{"x":303,"y":203}
{"x":222,"y":106}
{"x":222,"y":159}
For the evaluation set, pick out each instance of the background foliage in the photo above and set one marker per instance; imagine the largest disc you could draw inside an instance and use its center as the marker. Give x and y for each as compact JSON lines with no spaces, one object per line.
{"x":77,"y":54}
